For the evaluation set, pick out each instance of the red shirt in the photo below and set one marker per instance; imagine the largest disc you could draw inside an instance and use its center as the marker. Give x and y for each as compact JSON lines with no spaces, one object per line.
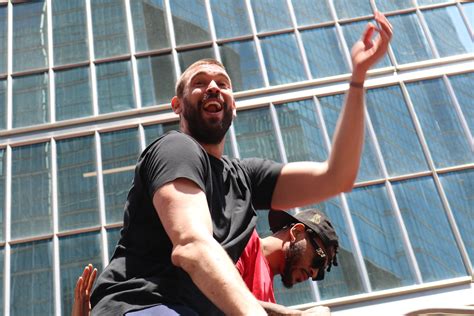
{"x":255,"y":270}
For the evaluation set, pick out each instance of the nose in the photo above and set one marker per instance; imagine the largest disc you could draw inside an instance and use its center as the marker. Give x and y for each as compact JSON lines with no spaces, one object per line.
{"x":213,"y":87}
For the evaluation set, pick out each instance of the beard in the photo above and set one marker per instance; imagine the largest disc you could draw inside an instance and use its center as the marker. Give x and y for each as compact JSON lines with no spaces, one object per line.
{"x":210,"y":131}
{"x":292,"y":256}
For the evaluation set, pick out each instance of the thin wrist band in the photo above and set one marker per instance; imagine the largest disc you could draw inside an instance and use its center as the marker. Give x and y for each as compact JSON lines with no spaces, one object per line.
{"x":359,"y":85}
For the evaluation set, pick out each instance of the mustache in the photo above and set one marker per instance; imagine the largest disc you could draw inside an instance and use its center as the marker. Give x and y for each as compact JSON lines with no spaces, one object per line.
{"x":211,"y":95}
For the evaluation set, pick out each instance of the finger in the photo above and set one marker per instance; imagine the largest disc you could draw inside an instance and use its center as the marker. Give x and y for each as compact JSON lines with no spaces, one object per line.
{"x":86,"y":274}
{"x":78,"y":289}
{"x":384,"y":23}
{"x":91,"y":280}
{"x":367,"y":35}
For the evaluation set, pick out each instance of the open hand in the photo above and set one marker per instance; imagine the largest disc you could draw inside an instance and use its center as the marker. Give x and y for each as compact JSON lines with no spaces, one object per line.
{"x":82,"y":293}
{"x":366,"y":52}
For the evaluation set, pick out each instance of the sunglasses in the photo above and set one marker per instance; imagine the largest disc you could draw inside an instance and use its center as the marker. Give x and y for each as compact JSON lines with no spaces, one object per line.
{"x":320,"y":259}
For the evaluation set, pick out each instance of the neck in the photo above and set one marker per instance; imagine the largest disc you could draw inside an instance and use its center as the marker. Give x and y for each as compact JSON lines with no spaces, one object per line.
{"x":215,"y":150}
{"x":272,"y":247}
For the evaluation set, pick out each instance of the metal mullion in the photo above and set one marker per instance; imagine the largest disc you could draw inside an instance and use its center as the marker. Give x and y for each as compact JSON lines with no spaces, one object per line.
{"x":457,"y":108}
{"x":52,"y":95}
{"x":133,"y":58}
{"x":212,"y":30}
{"x":141,"y":135}
{"x":278,"y":136}
{"x":299,"y":41}
{"x":427,"y":32}
{"x":257,"y":43}
{"x":174,"y":53}
{"x":101,"y":195}
{"x":55,"y":214}
{"x":9,"y":109}
{"x":93,"y":76}
{"x":233,"y":142}
{"x":8,"y":200}
{"x":465,"y":19}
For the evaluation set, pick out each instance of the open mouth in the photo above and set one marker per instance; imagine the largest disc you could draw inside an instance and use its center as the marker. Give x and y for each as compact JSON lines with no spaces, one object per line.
{"x":212,"y":107}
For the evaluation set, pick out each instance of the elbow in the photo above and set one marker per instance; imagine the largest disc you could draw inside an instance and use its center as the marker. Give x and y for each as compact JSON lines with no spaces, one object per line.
{"x":185,"y":255}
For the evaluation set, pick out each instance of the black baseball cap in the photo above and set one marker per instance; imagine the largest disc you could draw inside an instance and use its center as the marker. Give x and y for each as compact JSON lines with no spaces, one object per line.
{"x":315,"y":220}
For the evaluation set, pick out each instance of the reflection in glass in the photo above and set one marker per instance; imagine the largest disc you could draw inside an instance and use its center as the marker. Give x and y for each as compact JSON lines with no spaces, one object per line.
{"x":282,"y":59}
{"x":187,"y":58}
{"x":324,"y":60}
{"x":120,"y":150}
{"x":409,"y":43}
{"x":109,"y":27}
{"x":152,"y":132}
{"x":449,"y":32}
{"x":468,"y":9}
{"x":446,"y":140}
{"x":31,"y":284}
{"x":380,"y":238}
{"x":30,"y":100}
{"x":73,"y":93}
{"x":115,"y":87}
{"x":395,"y":131}
{"x":3,"y":39}
{"x":69,"y":32}
{"x":30,"y":35}
{"x":231,"y":18}
{"x":459,"y":189}
{"x":298,"y":121}
{"x":369,"y":166}
{"x":113,"y":236}
{"x":430,"y":234}
{"x":149,"y":25}
{"x":255,"y":134}
{"x":344,"y":279}
{"x":3,"y":104}
{"x":352,"y":8}
{"x":157,"y":79}
{"x":309,"y":12}
{"x":392,"y":5}
{"x":353,"y":32}
{"x":463,"y":86}
{"x":190,"y":21}
{"x":2,"y":199}
{"x":72,"y":263}
{"x":77,"y":183}
{"x":31,"y":191}
{"x":241,"y":62}
{"x":271,"y":15}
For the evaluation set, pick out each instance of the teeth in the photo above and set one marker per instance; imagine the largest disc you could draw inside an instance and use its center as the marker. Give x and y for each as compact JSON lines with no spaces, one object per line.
{"x":216,"y":104}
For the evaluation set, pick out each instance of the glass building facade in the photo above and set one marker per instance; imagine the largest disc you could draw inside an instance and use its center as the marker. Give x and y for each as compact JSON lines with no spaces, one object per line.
{"x":85,"y":85}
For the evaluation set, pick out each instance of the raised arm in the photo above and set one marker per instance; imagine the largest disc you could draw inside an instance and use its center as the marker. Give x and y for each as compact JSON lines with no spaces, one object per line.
{"x":182,"y":208}
{"x":303,"y":183}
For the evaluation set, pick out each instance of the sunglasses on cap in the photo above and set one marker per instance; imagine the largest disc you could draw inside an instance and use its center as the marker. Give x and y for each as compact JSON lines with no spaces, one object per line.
{"x":321,"y":259}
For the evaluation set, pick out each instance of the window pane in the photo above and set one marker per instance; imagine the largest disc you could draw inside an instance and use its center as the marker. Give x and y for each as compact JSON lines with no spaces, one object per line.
{"x":282,"y":59}
{"x":113,"y":236}
{"x":324,"y":60}
{"x":30,"y":100}
{"x":271,"y":15}
{"x":3,"y":104}
{"x":69,"y":32}
{"x":109,"y":27}
{"x":369,"y":167}
{"x":463,"y":86}
{"x":31,"y":191}
{"x":2,"y":200}
{"x":255,"y":134}
{"x":241,"y":62}
{"x":353,"y":32}
{"x":120,"y":151}
{"x":409,"y":43}
{"x":459,"y":189}
{"x":231,"y":18}
{"x":344,"y":279}
{"x":3,"y":38}
{"x":298,"y":120}
{"x":190,"y":21}
{"x":152,"y":132}
{"x":392,"y":5}
{"x":380,"y":238}
{"x":157,"y":79}
{"x":73,"y":93}
{"x":424,"y":2}
{"x":437,"y":254}
{"x":31,"y":288}
{"x":352,"y":8}
{"x":187,"y":58}
{"x":75,"y":252}
{"x":305,"y":11}
{"x":468,"y":9}
{"x":115,"y":87}
{"x":30,"y":35}
{"x":449,"y":31}
{"x":77,"y":183}
{"x":149,"y":25}
{"x":399,"y":143}
{"x":446,"y":140}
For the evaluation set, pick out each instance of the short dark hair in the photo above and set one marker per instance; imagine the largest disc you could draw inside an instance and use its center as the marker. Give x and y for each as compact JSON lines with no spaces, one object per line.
{"x":182,"y":79}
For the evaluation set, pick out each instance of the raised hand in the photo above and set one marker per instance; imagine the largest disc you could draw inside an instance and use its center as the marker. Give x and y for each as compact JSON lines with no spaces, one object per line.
{"x":82,"y":293}
{"x":367,"y":51}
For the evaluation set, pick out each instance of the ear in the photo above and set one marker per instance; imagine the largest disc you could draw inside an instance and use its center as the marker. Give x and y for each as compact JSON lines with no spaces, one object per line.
{"x":297,"y":232}
{"x":234,"y":109}
{"x":176,"y":105}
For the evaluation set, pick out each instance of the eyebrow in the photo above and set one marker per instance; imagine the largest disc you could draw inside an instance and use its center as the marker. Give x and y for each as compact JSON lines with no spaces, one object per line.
{"x":202,"y":72}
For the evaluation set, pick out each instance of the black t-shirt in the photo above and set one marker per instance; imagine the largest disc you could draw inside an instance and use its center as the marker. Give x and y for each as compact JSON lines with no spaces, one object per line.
{"x":140,"y":273}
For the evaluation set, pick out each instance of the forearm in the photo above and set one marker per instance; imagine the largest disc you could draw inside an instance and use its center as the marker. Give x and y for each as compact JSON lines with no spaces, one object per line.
{"x":277,"y":310}
{"x":215,"y":275}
